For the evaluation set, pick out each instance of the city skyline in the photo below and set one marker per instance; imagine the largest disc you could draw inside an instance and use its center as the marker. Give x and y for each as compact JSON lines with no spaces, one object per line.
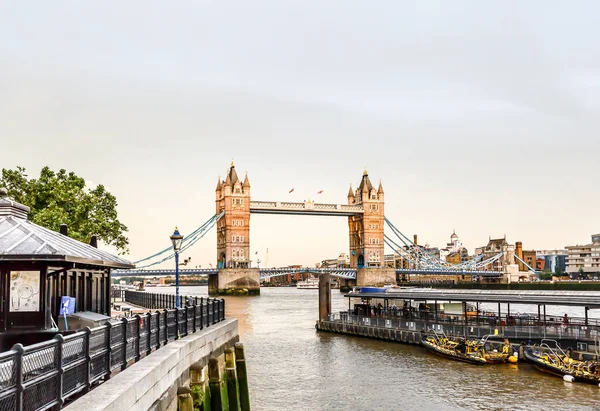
{"x":480,"y":119}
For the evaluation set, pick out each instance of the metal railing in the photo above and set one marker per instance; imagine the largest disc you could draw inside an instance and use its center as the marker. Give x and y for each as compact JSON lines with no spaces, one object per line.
{"x":48,"y":374}
{"x":156,"y":301}
{"x":471,"y":329}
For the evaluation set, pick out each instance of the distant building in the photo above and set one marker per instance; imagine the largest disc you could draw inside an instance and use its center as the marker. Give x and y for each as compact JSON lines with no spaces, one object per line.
{"x":343,"y":261}
{"x":554,"y":261}
{"x":461,"y":256}
{"x":528,"y":257}
{"x":454,"y":246}
{"x":584,"y":257}
{"x":494,"y":247}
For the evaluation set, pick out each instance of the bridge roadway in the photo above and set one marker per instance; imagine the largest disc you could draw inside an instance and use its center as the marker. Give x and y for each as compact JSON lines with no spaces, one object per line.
{"x":265,"y":273}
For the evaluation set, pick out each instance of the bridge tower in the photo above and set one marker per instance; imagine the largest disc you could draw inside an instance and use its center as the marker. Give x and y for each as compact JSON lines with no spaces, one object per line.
{"x":233,"y":229}
{"x":232,"y":196}
{"x":366,"y":235}
{"x":366,"y":229}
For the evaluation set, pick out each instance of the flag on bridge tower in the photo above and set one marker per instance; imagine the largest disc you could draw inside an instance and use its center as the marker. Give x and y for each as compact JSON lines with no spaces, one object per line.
{"x":291,"y":190}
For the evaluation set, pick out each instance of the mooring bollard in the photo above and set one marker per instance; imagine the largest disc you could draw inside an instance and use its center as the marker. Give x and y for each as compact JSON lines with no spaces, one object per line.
{"x":240,"y":365}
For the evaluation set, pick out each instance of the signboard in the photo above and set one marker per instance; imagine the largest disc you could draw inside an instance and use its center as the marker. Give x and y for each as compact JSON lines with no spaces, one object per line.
{"x":67,"y":306}
{"x":24,"y":291}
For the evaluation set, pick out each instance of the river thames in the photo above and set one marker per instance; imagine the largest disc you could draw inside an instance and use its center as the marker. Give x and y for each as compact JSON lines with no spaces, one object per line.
{"x":292,"y":367}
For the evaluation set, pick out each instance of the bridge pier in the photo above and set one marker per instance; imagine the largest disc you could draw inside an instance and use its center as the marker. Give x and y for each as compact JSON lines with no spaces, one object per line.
{"x":375,"y":277}
{"x":235,"y":281}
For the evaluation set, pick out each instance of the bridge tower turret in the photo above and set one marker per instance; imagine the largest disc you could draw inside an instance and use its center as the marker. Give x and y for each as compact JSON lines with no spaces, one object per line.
{"x":366,"y":229}
{"x":233,"y":229}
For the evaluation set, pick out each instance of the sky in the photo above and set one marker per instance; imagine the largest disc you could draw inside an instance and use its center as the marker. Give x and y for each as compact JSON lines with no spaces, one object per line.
{"x":479,"y":117}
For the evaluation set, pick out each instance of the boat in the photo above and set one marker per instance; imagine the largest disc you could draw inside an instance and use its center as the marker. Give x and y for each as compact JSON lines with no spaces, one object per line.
{"x":553,"y":360}
{"x":310,"y":284}
{"x":471,"y":351}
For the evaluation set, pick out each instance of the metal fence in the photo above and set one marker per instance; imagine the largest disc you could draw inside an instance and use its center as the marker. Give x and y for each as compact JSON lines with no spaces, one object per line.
{"x":524,"y":332}
{"x":155,"y":301}
{"x":46,"y":375}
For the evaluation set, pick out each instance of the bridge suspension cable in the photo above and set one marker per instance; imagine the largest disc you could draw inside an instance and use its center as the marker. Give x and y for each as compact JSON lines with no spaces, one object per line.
{"x":188,"y":241}
{"x":419,"y":256}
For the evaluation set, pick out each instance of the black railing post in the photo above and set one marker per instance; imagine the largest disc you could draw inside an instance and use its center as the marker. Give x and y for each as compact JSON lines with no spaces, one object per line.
{"x":124,"y":339}
{"x":88,"y":359}
{"x":185,"y":318}
{"x":149,"y":332}
{"x":109,"y":353}
{"x":166,"y":321}
{"x":222,"y":309}
{"x":61,"y":369}
{"x":19,"y":371}
{"x":176,"y":323}
{"x":201,"y":313}
{"x":158,"y":329}
{"x":215,"y":305}
{"x":137,"y":337}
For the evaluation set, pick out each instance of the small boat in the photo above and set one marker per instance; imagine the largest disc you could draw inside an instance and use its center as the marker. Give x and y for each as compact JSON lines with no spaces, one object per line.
{"x":553,"y":360}
{"x":310,"y":284}
{"x":472,"y":351}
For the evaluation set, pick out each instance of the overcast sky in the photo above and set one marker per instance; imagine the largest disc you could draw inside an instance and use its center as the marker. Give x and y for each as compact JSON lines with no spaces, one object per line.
{"x":478,"y":116}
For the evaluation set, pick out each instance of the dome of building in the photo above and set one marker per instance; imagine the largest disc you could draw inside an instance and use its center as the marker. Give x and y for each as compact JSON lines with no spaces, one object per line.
{"x":453,"y":236}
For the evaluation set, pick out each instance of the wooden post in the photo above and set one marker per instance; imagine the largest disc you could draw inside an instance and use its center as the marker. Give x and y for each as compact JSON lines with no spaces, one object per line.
{"x":218,"y":391}
{"x":232,"y":381}
{"x":240,"y":366}
{"x":324,"y":296}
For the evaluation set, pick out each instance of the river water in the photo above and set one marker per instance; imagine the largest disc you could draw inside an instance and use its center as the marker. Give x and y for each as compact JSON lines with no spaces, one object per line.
{"x":293,"y":367}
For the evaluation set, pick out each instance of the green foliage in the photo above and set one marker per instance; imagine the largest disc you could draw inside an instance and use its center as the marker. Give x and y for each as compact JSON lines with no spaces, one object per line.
{"x":545,"y":275}
{"x":62,"y":198}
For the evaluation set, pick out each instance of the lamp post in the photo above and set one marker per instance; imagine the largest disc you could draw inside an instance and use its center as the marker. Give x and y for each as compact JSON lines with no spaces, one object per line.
{"x":176,"y":239}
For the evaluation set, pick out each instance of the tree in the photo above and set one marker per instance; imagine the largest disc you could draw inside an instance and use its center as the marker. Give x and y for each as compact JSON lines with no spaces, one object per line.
{"x":557,"y":271}
{"x":62,"y":198}
{"x":581,"y":272}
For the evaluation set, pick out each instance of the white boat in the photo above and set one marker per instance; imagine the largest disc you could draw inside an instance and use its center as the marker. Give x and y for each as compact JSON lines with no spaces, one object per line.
{"x":310,"y":284}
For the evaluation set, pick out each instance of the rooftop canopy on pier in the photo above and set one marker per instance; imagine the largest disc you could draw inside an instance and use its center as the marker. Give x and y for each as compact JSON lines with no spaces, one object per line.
{"x":589,"y":299}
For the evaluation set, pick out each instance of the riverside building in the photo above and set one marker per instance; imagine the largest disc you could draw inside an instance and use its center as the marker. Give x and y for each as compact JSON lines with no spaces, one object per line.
{"x":584,"y":258}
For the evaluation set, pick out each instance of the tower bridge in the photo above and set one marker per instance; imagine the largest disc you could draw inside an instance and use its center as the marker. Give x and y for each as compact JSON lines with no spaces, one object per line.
{"x":365,"y":211}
